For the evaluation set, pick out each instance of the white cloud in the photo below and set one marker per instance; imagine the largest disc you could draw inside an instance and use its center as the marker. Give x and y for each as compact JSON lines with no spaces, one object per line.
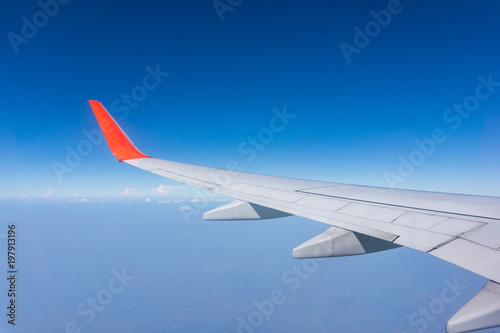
{"x":46,"y":195}
{"x":221,"y":199}
{"x":157,"y":191}
{"x":148,"y":200}
{"x":162,"y":189}
{"x":130,"y":192}
{"x":80,"y":200}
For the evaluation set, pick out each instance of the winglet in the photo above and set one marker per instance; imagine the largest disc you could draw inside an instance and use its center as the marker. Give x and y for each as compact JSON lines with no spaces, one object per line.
{"x":119,"y":143}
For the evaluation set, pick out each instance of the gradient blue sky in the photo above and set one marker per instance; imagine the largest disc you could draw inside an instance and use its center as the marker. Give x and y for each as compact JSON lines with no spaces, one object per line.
{"x":354,"y":121}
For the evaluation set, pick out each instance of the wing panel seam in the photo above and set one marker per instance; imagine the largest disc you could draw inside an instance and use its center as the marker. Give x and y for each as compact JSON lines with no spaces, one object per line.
{"x":394,"y":205}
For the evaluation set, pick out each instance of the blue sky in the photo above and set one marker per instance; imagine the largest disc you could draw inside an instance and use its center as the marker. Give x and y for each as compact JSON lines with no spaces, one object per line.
{"x":353,"y":120}
{"x":416,"y":105}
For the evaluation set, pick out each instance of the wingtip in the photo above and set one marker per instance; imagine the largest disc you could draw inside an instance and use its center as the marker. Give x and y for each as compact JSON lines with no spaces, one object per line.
{"x":119,"y":143}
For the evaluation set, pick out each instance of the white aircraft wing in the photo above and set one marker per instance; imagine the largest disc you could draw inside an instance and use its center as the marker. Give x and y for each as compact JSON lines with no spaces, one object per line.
{"x":461,"y":229}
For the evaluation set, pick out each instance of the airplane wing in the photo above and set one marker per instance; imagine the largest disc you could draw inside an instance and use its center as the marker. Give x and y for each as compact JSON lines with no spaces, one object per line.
{"x":461,"y":229}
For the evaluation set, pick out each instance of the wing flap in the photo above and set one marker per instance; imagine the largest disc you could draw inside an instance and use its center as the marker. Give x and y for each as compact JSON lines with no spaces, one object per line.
{"x":378,"y":213}
{"x":472,"y":256}
{"x":487,"y":234}
{"x":328,"y":204}
{"x":458,"y":204}
{"x":437,"y":223}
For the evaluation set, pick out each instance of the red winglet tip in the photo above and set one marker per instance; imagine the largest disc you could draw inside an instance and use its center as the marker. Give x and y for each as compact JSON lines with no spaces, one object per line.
{"x":120,"y":145}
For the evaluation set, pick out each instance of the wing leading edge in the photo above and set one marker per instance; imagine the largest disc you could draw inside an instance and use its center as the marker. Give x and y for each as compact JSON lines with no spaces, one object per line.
{"x":461,"y":229}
